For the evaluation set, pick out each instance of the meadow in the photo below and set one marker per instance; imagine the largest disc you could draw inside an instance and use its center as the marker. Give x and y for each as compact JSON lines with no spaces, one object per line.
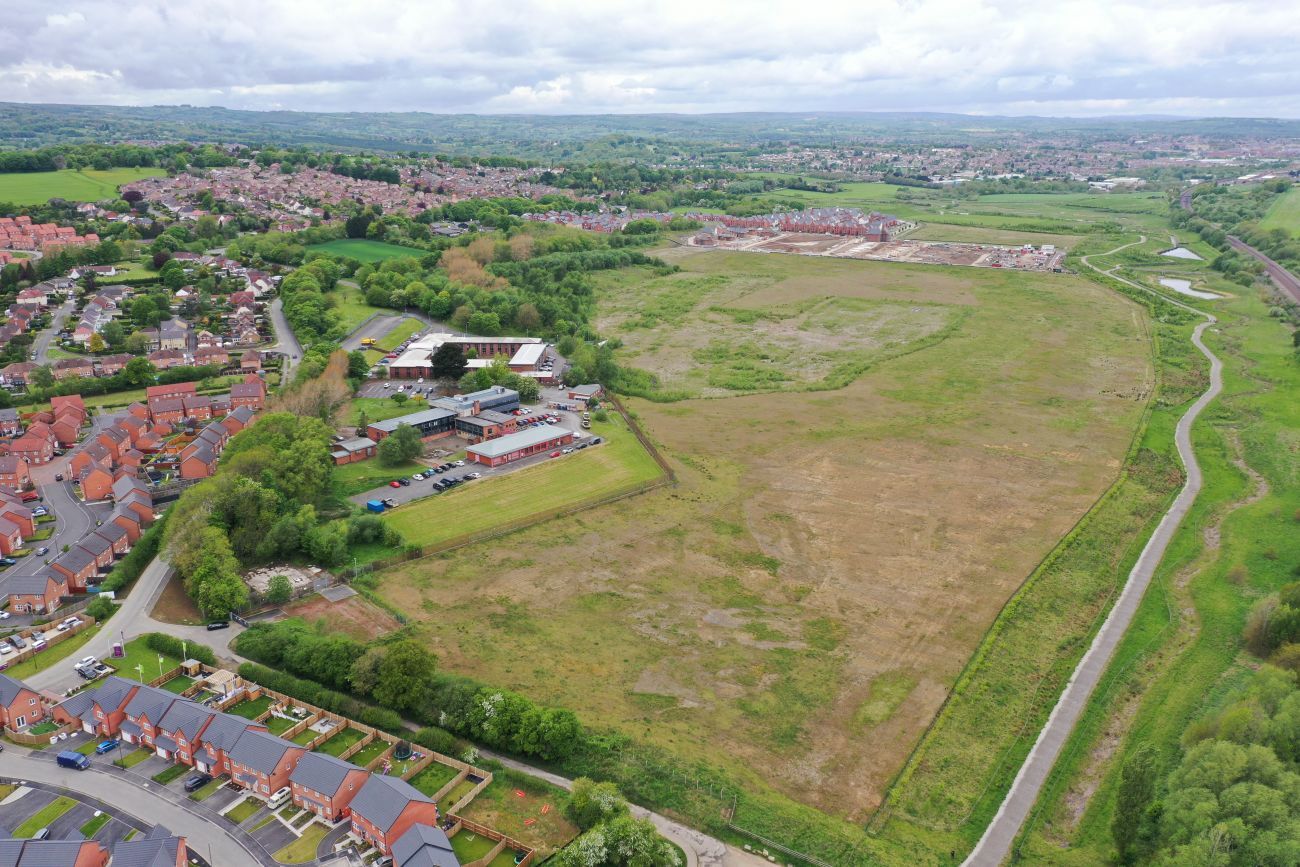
{"x":1284,"y":213}
{"x":796,"y":609}
{"x":36,"y":188}
{"x":364,"y":250}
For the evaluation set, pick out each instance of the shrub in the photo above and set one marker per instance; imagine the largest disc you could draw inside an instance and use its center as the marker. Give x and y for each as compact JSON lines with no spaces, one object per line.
{"x":129,"y":567}
{"x":162,"y":643}
{"x":101,"y":608}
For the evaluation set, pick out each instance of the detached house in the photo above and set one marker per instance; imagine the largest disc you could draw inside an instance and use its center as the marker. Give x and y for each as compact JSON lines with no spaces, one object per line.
{"x":14,"y":475}
{"x":40,"y":594}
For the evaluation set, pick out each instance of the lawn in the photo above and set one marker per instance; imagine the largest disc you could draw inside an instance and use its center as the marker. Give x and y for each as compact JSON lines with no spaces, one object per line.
{"x":303,"y":849}
{"x":458,"y":791}
{"x":251,"y":708}
{"x":339,"y":743}
{"x":1284,"y":213}
{"x":351,"y":307}
{"x":92,"y":827}
{"x":174,"y":772}
{"x":380,"y":409}
{"x":433,"y":778}
{"x":133,"y":758}
{"x":54,"y":653}
{"x":209,"y":789}
{"x":151,"y":664}
{"x":363,"y":250}
{"x":178,"y":684}
{"x":45,"y":816}
{"x":244,"y":810}
{"x":44,"y":727}
{"x":35,"y":188}
{"x":305,"y":737}
{"x":278,"y":725}
{"x":617,"y":464}
{"x":499,"y":808}
{"x":367,"y":754}
{"x":352,"y":479}
{"x":399,"y":332}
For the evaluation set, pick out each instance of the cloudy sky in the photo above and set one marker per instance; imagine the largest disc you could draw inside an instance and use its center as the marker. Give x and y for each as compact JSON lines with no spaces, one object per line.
{"x":1049,"y":57}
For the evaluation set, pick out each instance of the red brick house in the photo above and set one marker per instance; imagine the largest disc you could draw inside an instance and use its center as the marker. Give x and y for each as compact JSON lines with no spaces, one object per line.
{"x":101,"y":710}
{"x":237,"y":420}
{"x":250,"y":361}
{"x":20,"y":515}
{"x":40,"y":593}
{"x":77,"y":566}
{"x":262,"y":763}
{"x":96,"y":482}
{"x":110,"y":365}
{"x":170,"y":410}
{"x":20,"y":705}
{"x":65,"y":430}
{"x":326,"y":785}
{"x":69,"y":403}
{"x":386,"y":808}
{"x":129,"y":521}
{"x":198,"y":461}
{"x":67,"y":368}
{"x":13,"y":473}
{"x":32,"y":449}
{"x":212,"y":355}
{"x":249,"y":394}
{"x":11,"y":537}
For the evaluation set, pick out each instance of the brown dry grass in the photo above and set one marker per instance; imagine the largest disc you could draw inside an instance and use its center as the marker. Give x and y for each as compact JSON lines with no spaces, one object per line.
{"x":354,"y":616}
{"x":798,"y":606}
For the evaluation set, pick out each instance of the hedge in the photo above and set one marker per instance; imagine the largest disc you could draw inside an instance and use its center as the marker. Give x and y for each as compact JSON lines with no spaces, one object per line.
{"x":129,"y":567}
{"x":163,"y":643}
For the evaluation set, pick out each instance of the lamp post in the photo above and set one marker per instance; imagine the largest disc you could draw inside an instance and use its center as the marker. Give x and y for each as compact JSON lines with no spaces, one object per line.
{"x":160,"y":665}
{"x":139,"y":668}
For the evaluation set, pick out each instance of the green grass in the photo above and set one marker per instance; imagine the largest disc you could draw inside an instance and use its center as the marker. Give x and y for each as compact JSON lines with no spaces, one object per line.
{"x":133,"y":758}
{"x":381,"y":408}
{"x":251,"y":708}
{"x":458,"y":791}
{"x":35,"y":188}
{"x":303,"y":850}
{"x":364,"y":250}
{"x":87,"y":748}
{"x":54,"y":653}
{"x":242,"y":812}
{"x":44,"y":727}
{"x":496,"y":807}
{"x":209,"y":789}
{"x":278,"y":725}
{"x":1284,"y":213}
{"x":367,"y":754}
{"x":433,"y":778}
{"x":178,"y":684}
{"x":339,"y":743}
{"x":92,"y":827}
{"x":138,"y":654}
{"x":166,"y":776}
{"x":351,"y":307}
{"x":615,"y":465}
{"x":362,"y":476}
{"x":469,"y":846}
{"x":44,"y":817}
{"x":399,"y":332}
{"x":305,"y":737}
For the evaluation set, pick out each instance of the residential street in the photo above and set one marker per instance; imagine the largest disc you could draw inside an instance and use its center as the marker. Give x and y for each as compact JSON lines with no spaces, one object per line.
{"x":41,"y":346}
{"x":285,"y":341}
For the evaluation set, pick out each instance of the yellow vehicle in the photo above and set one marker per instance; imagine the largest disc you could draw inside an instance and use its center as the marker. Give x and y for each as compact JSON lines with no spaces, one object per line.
{"x":367,"y":341}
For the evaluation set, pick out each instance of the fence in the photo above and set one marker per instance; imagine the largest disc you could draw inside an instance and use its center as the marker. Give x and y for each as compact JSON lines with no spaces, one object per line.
{"x":503,"y":842}
{"x":51,"y":638}
{"x":40,"y":740}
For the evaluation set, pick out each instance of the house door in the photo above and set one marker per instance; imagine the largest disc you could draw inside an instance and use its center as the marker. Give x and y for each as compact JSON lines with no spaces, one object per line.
{"x":21,"y":721}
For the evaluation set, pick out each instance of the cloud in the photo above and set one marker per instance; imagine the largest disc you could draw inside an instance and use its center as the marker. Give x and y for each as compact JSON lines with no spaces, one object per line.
{"x":565,"y":56}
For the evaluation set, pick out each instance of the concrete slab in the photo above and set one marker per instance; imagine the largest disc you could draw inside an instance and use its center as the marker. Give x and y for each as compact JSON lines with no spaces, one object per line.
{"x":338,"y":592}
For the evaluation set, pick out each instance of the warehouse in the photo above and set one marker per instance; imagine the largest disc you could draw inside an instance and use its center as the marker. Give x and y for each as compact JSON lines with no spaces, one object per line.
{"x":431,"y":423}
{"x":503,"y":450}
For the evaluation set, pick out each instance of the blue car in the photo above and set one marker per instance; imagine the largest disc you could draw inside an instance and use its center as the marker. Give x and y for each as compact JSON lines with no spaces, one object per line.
{"x":106,"y":747}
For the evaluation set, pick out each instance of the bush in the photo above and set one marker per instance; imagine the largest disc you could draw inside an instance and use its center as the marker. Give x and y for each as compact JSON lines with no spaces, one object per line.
{"x":101,"y":608}
{"x":161,"y":643}
{"x":129,"y":567}
{"x":438,"y":740}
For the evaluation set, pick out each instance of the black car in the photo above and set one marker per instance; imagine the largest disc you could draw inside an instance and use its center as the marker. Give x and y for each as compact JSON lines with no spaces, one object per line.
{"x":196,"y":782}
{"x":405,"y":483}
{"x":58,"y":477}
{"x":439,"y":470}
{"x":218,"y":624}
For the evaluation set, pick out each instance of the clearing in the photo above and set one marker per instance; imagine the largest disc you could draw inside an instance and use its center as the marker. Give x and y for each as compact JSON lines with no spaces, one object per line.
{"x":797,"y":607}
{"x":1284,"y":213}
{"x":36,"y":188}
{"x":363,"y":250}
{"x":353,"y":616}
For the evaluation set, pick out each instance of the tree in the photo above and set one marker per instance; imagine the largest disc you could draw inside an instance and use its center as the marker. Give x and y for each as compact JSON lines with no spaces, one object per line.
{"x":96,"y":342}
{"x":207,"y":227}
{"x":401,"y":398}
{"x":403,"y":676}
{"x":448,"y":362}
{"x":1136,"y":792}
{"x":400,"y":446}
{"x":279,"y":590}
{"x":114,"y":334}
{"x":363,"y":422}
{"x":139,"y":372}
{"x":42,"y":376}
{"x":591,"y":803}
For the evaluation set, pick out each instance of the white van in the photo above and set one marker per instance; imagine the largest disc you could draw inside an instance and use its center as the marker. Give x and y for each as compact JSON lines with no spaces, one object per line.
{"x":278,"y":798}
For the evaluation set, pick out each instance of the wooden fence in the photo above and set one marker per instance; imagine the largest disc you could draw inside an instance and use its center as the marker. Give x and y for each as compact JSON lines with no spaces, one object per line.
{"x":32,"y":740}
{"x":52,"y":637}
{"x":503,"y":842}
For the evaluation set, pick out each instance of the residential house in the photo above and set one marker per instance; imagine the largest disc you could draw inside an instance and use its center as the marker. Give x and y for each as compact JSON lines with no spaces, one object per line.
{"x":20,"y":515}
{"x":67,"y":368}
{"x":40,"y":593}
{"x":238,"y":419}
{"x":14,"y":475}
{"x":386,"y":808}
{"x":175,"y":334}
{"x":326,"y":785}
{"x":143,"y":713}
{"x":16,"y":375}
{"x":198,"y":461}
{"x":424,"y":846}
{"x":101,"y":710}
{"x":212,"y":355}
{"x":250,"y":393}
{"x":262,"y":762}
{"x":33,"y":449}
{"x":20,"y":705}
{"x":54,"y":853}
{"x":164,"y":359}
{"x":77,"y":566}
{"x":158,"y":848}
{"x":11,"y":537}
{"x":10,"y":424}
{"x":111,"y":365}
{"x":250,"y":361}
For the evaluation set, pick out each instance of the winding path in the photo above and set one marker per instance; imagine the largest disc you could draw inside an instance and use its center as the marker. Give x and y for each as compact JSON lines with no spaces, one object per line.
{"x":994,"y":846}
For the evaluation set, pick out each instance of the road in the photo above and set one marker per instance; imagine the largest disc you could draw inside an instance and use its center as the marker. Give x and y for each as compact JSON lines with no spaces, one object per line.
{"x":41,"y":346}
{"x":285,"y":341}
{"x":995,"y":845}
{"x":204,"y":833}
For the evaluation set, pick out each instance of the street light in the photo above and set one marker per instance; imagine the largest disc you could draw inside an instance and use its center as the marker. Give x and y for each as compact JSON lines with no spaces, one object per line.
{"x":160,"y":664}
{"x":140,"y":670}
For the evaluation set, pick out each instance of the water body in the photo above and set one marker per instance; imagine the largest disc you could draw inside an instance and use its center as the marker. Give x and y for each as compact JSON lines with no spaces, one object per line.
{"x":1184,"y":287}
{"x":1181,"y":253}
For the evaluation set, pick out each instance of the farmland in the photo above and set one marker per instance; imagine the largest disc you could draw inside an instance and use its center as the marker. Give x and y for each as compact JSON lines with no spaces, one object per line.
{"x":35,"y":188}
{"x":851,"y":513}
{"x":363,"y":250}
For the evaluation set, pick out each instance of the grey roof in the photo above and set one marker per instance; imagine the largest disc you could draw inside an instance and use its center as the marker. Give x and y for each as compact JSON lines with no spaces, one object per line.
{"x":201,"y":450}
{"x":125,"y":485}
{"x":424,"y":846}
{"x":164,"y":743}
{"x":260,"y":751}
{"x":588,"y":390}
{"x":242,"y":413}
{"x":40,"y":853}
{"x":152,"y":702}
{"x":382,"y":799}
{"x":10,"y":689}
{"x":130,"y":728}
{"x":79,"y":704}
{"x":110,"y":531}
{"x":491,"y":415}
{"x":75,"y":559}
{"x":321,"y":772}
{"x":415,"y":418}
{"x":524,"y":439}
{"x":224,"y":730}
{"x":185,"y":717}
{"x":111,"y":692}
{"x":93,"y":544}
{"x":158,"y":848}
{"x":34,"y":584}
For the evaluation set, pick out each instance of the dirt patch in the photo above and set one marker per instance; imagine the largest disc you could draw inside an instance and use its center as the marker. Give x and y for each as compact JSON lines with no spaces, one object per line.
{"x":354,"y":616}
{"x":175,"y":606}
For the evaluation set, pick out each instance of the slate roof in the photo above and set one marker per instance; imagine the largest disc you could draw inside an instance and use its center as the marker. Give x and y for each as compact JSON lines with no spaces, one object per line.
{"x":260,"y":751}
{"x":224,"y":730}
{"x":41,"y":853}
{"x":382,"y":799}
{"x":424,"y":846}
{"x":158,"y":848}
{"x":75,"y":559}
{"x":152,"y":702}
{"x":10,"y":689}
{"x":34,"y":585}
{"x":321,"y":772}
{"x":186,"y":717}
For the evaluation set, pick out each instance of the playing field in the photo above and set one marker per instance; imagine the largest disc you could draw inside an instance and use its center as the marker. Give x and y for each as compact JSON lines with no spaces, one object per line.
{"x":1284,"y":213}
{"x":877,"y":456}
{"x":36,"y":188}
{"x":363,"y":250}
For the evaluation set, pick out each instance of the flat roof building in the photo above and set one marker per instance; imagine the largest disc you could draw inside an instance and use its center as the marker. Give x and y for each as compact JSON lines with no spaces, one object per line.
{"x":512,"y":447}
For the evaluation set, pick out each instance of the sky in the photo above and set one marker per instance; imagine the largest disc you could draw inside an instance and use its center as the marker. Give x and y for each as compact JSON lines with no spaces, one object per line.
{"x":1087,"y":58}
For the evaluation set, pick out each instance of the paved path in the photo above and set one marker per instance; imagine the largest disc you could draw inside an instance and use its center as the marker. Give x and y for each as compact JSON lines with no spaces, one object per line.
{"x":285,"y":341}
{"x":152,"y":806}
{"x":1001,"y":833}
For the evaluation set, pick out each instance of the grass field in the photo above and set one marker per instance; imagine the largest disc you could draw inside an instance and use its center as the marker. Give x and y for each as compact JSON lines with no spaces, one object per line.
{"x":303,"y":849}
{"x":357,"y":478}
{"x":363,"y":250}
{"x":44,"y":816}
{"x":433,"y":778}
{"x":589,"y":474}
{"x":36,"y":188}
{"x":1284,"y":213}
{"x":796,"y":609}
{"x":251,"y":708}
{"x":351,"y":306}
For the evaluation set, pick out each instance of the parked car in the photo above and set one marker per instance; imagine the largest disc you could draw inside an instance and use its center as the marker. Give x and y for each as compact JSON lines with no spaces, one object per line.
{"x":390,"y":503}
{"x":197,"y":781}
{"x":388,"y":385}
{"x":568,"y":450}
{"x":58,"y":477}
{"x":43,"y":834}
{"x":218,"y":624}
{"x":417,"y":477}
{"x":39,"y":511}
{"x":18,"y":642}
{"x":394,"y":484}
{"x":406,"y":483}
{"x":6,"y":648}
{"x":555,"y":454}
{"x":42,"y":551}
{"x":597,"y":441}
{"x":7,"y":561}
{"x":474,"y":476}
{"x":278,"y":798}
{"x":458,"y":463}
{"x":106,"y":747}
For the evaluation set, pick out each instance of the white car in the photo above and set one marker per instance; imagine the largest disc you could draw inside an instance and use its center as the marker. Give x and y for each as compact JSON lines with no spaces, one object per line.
{"x":4,"y":615}
{"x":473,"y":475}
{"x":458,"y":463}
{"x":420,"y":380}
{"x":6,"y":649}
{"x":567,"y":450}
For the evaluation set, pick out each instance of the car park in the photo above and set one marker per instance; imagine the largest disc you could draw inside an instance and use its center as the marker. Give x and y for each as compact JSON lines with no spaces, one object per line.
{"x":18,"y":642}
{"x":6,"y":649}
{"x":555,"y":454}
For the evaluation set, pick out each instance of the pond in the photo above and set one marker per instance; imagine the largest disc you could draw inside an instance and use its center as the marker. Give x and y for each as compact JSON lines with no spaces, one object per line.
{"x":1181,"y":253}
{"x":1184,"y":287}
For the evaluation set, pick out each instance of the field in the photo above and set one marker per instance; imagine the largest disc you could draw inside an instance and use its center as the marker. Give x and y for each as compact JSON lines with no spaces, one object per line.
{"x":590,"y":474}
{"x":796,"y":609}
{"x":152,"y":664}
{"x":35,"y":188}
{"x":353,"y":616}
{"x":1284,"y":213}
{"x":498,"y":807}
{"x":363,"y":250}
{"x":350,"y":304}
